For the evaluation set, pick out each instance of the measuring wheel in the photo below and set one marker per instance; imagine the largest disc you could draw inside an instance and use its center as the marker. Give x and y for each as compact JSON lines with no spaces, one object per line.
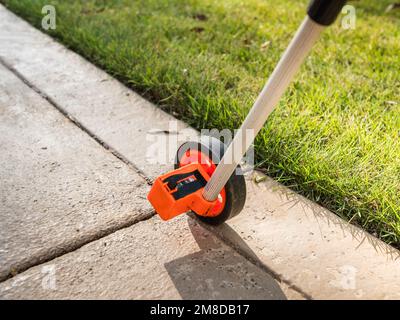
{"x":212,"y":188}
{"x":208,"y":152}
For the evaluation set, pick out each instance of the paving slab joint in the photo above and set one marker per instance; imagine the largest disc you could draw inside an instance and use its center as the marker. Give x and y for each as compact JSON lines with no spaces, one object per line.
{"x":60,"y":251}
{"x":244,"y":250}
{"x":76,"y":122}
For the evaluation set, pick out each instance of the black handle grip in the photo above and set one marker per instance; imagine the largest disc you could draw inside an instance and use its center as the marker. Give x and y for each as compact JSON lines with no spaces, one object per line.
{"x":325,"y":12}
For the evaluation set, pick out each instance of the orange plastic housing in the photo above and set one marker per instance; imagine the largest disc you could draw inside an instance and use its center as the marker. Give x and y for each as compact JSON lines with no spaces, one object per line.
{"x":162,"y":197}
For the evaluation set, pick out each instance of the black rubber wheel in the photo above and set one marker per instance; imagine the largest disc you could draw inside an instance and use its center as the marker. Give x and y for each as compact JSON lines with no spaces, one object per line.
{"x":235,"y":188}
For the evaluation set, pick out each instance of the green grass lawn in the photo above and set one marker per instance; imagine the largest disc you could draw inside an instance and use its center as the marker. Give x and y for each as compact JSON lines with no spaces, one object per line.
{"x":335,"y":135}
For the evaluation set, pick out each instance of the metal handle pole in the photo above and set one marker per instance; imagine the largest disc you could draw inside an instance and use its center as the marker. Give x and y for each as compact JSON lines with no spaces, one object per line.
{"x":290,"y":62}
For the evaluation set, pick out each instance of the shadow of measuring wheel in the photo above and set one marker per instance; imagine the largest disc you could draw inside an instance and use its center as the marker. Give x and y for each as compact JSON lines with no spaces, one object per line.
{"x":218,"y":272}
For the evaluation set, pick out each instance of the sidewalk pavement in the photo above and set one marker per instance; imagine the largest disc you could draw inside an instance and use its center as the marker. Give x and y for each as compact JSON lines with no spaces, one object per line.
{"x":75,"y":222}
{"x":69,"y":203}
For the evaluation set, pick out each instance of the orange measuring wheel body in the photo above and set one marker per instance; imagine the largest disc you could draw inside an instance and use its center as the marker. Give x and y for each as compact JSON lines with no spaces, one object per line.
{"x":180,"y":191}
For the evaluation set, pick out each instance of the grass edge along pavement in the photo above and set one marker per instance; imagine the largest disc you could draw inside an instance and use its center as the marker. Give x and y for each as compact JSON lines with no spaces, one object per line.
{"x":334,"y":136}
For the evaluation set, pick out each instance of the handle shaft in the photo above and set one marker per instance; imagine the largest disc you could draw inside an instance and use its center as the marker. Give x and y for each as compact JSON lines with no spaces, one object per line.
{"x":306,"y":36}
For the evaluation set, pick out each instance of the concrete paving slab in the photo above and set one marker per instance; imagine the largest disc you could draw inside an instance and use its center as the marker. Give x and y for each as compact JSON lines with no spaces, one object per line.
{"x":58,"y":188}
{"x":121,"y":118}
{"x":307,"y":246}
{"x":150,"y":260}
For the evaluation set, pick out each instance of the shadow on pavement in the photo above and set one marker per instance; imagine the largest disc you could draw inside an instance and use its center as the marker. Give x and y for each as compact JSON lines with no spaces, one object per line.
{"x":218,"y":272}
